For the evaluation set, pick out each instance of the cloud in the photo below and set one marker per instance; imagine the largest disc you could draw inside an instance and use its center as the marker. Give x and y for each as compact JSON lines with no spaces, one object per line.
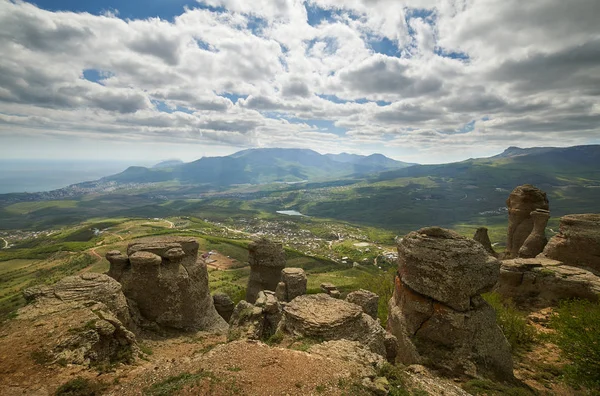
{"x":422,"y":78}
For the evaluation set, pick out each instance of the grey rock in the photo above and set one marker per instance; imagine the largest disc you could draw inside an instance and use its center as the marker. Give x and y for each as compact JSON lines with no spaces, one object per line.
{"x":535,"y":242}
{"x":247,"y":321}
{"x":323,"y":317}
{"x":266,"y":259}
{"x":224,"y":305}
{"x":367,"y":300}
{"x":445,"y":266}
{"x":481,"y":236}
{"x":295,"y":282}
{"x":168,"y":284}
{"x":521,"y":202}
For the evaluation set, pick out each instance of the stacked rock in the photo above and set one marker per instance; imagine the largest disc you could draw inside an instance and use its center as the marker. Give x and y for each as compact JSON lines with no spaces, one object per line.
{"x":367,"y":300}
{"x":292,"y":285}
{"x":266,"y":259}
{"x":436,"y":311}
{"x":167,"y":283}
{"x":331,"y":289}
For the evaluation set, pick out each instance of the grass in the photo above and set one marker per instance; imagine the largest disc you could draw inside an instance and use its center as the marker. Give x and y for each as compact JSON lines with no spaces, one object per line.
{"x":489,"y":388}
{"x":81,"y":387}
{"x":174,"y":384}
{"x":28,"y":207}
{"x":577,"y":325}
{"x":513,"y":323}
{"x":382,"y":284}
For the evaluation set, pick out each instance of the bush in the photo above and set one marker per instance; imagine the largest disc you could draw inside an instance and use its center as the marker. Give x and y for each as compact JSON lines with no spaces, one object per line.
{"x":513,"y":322}
{"x":577,"y":325}
{"x":81,"y":387}
{"x":382,"y":284}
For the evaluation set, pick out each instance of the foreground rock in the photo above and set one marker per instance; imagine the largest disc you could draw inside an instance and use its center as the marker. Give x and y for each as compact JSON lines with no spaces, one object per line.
{"x":257,"y":321}
{"x":164,"y":280}
{"x":365,"y":299}
{"x":578,"y":242}
{"x":79,"y":320}
{"x":294,"y":283}
{"x":481,"y":236}
{"x":522,"y":201}
{"x":224,"y":305}
{"x":266,"y":259}
{"x":541,"y":282}
{"x":323,"y":317}
{"x":436,"y":311}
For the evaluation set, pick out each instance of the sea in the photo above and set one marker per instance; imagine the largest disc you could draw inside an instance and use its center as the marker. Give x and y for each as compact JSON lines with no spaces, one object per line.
{"x":17,"y":176}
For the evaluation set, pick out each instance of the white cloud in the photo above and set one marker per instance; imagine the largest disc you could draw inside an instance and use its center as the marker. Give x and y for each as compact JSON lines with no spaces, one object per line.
{"x":258,"y":74}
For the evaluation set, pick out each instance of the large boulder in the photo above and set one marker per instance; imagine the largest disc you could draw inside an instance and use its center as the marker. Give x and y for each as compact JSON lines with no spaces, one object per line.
{"x":323,"y":317}
{"x":294,"y":280}
{"x":578,"y":241}
{"x":521,"y":202}
{"x":367,"y":300}
{"x":257,"y":321}
{"x":167,"y":283}
{"x":541,"y":282}
{"x":266,"y":259}
{"x":81,"y":320}
{"x":436,"y":311}
{"x":445,"y":266}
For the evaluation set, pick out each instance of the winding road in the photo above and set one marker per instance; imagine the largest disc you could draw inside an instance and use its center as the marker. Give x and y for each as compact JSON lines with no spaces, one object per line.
{"x":5,"y":243}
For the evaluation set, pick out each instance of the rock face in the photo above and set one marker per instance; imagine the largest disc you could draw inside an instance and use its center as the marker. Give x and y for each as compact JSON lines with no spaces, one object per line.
{"x":266,"y":259}
{"x":578,"y":242}
{"x":167,"y":284}
{"x":436,"y":311}
{"x":223,"y":305}
{"x":323,"y":317}
{"x":80,"y":320}
{"x":481,"y":236}
{"x":367,"y":300}
{"x":542,"y":282}
{"x":331,"y":289}
{"x":521,"y":202}
{"x":256,"y":321}
{"x":294,"y":280}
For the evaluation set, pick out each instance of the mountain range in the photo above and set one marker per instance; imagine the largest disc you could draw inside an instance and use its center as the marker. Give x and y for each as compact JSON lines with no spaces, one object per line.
{"x":257,"y":166}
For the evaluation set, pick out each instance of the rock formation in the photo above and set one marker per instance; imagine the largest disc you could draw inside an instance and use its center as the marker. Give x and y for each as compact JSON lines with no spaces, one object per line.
{"x":535,"y":242}
{"x":521,"y":202}
{"x":436,"y":311}
{"x":578,"y":241}
{"x":331,"y":289}
{"x":294,"y":283}
{"x":266,"y":259}
{"x":168,"y":285}
{"x":367,"y":300}
{"x":481,"y":236}
{"x":323,"y":317}
{"x":79,"y":320}
{"x":541,"y":282}
{"x":256,"y":321}
{"x":223,"y":305}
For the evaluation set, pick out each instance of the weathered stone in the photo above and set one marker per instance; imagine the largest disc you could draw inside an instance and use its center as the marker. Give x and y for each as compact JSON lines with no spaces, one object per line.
{"x":266,"y":259}
{"x":540,"y":282}
{"x":168,"y":284}
{"x":481,"y":236}
{"x":367,"y":300}
{"x":350,"y":351}
{"x":295,"y":282}
{"x":436,"y":312}
{"x":445,"y":266}
{"x":391,"y":347}
{"x":118,"y":263}
{"x":327,"y":318}
{"x":247,"y":321}
{"x":223,"y":305}
{"x":330,"y":289}
{"x":521,"y":202}
{"x":281,"y":292}
{"x":578,"y":242}
{"x":535,"y":242}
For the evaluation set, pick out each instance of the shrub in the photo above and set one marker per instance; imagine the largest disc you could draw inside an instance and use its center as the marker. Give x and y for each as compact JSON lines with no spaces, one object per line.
{"x":513,"y":322}
{"x":81,"y":387}
{"x":577,"y":325}
{"x":382,"y":284}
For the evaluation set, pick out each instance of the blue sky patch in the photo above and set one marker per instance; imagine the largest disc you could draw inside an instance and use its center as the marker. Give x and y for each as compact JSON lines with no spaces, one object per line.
{"x":316,"y":14}
{"x":95,"y":75}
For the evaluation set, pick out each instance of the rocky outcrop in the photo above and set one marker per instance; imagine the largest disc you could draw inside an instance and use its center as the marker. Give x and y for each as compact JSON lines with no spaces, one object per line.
{"x":224,"y":305}
{"x":436,"y":311}
{"x":163,"y":278}
{"x":521,"y":202}
{"x":535,"y":242}
{"x":323,"y":317}
{"x":294,"y":283}
{"x":578,"y":241}
{"x":481,"y":236}
{"x":365,"y":299}
{"x":257,"y":321}
{"x":88,"y":316}
{"x":540,"y":282}
{"x":330,"y":289}
{"x":266,"y":259}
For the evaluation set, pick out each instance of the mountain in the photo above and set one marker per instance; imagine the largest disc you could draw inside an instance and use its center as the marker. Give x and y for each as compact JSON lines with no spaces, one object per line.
{"x":168,"y":163}
{"x":255,"y":166}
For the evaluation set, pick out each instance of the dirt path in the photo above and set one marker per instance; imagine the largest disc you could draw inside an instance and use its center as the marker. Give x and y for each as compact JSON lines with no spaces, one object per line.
{"x":5,"y":243}
{"x":94,"y":253}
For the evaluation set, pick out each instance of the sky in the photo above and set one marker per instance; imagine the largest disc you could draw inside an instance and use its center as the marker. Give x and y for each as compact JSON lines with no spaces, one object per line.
{"x":426,"y":81}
